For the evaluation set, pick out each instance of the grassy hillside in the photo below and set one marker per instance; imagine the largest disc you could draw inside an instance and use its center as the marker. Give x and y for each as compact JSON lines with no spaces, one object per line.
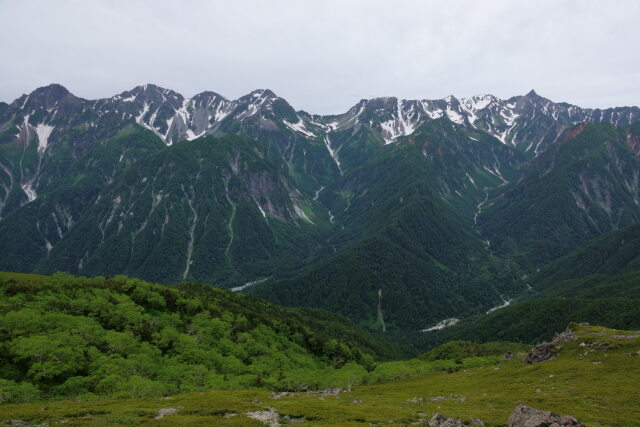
{"x":596,"y":384}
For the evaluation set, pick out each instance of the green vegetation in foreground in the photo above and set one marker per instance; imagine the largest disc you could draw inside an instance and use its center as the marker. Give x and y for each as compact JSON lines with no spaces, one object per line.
{"x":596,"y":384}
{"x":75,"y":337}
{"x":64,"y":336}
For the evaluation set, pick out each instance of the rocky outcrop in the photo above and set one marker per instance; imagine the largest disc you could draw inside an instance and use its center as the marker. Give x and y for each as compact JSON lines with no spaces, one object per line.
{"x":522,"y":416}
{"x":526,"y":416}
{"x":565,"y":336}
{"x":332,"y":391}
{"x":161,"y":413}
{"x":269,"y":417}
{"x":439,"y":420}
{"x":547,"y":350}
{"x":539,"y":353}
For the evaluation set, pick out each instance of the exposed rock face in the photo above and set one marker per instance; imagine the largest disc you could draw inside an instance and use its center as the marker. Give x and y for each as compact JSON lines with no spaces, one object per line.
{"x":269,"y":417}
{"x":526,"y":416}
{"x":333,"y":391}
{"x":539,"y":353}
{"x":439,"y":420}
{"x":161,"y":413}
{"x":545,"y":351}
{"x":566,"y":335}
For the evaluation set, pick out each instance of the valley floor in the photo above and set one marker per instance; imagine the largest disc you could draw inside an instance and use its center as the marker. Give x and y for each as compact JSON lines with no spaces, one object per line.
{"x":594,"y":379}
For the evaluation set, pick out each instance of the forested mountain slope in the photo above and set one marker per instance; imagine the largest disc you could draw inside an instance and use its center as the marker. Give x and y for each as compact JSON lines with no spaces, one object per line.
{"x":396,"y":213}
{"x":585,"y":185}
{"x":211,"y":210}
{"x":416,"y":258}
{"x":606,"y":267}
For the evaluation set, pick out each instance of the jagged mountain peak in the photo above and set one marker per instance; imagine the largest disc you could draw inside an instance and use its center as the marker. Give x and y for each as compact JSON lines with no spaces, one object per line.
{"x":149,"y":93}
{"x":478,"y":102}
{"x":258,"y":100}
{"x":55,"y":90}
{"x":380,"y":100}
{"x":45,"y":96}
{"x":207,"y":94}
{"x":151,"y":88}
{"x":450,"y":99}
{"x":261,"y":94}
{"x":532,"y":97}
{"x":265,"y":106}
{"x":173,"y":117}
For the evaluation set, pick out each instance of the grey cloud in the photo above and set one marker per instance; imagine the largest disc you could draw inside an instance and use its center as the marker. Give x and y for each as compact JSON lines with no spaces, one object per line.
{"x":323,"y":56}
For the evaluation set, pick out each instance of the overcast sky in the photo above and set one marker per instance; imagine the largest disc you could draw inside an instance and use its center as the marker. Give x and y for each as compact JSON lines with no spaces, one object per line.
{"x":324,"y":56}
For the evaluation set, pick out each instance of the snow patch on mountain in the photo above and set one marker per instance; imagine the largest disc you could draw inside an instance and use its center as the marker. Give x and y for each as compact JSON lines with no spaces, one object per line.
{"x":189,"y":118}
{"x":499,"y":306}
{"x":264,"y":215}
{"x":404,"y":122}
{"x":389,"y":131}
{"x":475,"y":104}
{"x":29,"y":191}
{"x":190,"y":136}
{"x":301,"y":214}
{"x":446,"y":323}
{"x":43,"y":131}
{"x":454,"y":116}
{"x":299,"y":127}
{"x":145,"y":110}
{"x":183,"y":113}
{"x":248,"y":284}
{"x":431,"y":112}
{"x":333,"y":153}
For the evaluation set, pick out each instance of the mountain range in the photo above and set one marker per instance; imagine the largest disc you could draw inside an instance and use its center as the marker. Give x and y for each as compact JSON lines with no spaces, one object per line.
{"x":396,"y":214}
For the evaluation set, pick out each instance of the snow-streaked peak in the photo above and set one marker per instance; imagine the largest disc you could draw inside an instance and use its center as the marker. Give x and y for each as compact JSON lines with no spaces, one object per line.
{"x":263,"y":93}
{"x":404,"y":119}
{"x":149,"y":93}
{"x":394,"y":117}
{"x":299,"y":127}
{"x":203,"y":114}
{"x":478,"y":102}
{"x":455,"y":116}
{"x":168,"y":114}
{"x":173,"y":118}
